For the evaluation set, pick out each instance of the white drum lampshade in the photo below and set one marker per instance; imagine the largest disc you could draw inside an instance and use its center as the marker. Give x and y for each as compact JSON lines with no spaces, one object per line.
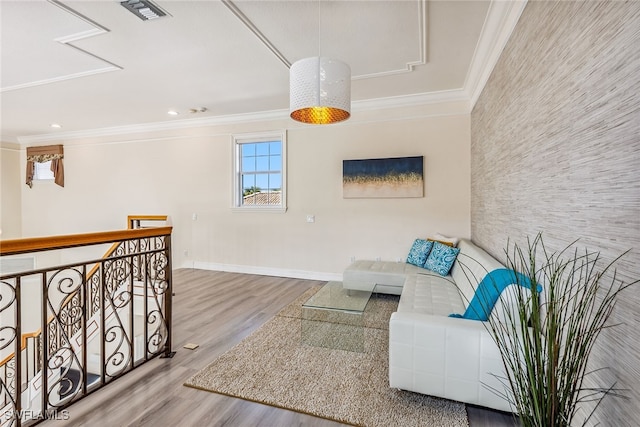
{"x":320,"y":90}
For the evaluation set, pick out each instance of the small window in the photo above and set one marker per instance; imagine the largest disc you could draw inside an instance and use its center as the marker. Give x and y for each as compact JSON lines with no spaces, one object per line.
{"x":43,"y":172}
{"x":259,"y":172}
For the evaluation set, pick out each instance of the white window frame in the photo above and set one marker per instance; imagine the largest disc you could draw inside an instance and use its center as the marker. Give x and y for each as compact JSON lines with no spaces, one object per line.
{"x":248,"y":138}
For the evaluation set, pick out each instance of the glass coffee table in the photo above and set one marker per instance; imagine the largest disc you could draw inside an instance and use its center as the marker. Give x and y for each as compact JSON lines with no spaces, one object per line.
{"x":334,"y":318}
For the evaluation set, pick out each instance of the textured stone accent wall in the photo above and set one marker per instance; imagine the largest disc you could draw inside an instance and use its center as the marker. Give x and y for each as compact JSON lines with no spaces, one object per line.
{"x":556,"y":149}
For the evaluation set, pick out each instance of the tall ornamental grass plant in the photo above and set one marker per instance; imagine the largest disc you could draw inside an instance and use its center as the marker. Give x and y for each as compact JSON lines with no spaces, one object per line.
{"x":545,"y":344}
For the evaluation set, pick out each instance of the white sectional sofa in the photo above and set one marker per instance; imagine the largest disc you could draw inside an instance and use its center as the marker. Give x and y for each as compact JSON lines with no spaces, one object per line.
{"x":430,"y":352}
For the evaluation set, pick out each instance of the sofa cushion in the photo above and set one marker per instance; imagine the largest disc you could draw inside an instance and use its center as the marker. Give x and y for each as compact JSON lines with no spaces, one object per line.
{"x":419,"y":252}
{"x":365,"y":272}
{"x":430,"y":293}
{"x":471,"y":265}
{"x":449,"y":241}
{"x":441,"y":258}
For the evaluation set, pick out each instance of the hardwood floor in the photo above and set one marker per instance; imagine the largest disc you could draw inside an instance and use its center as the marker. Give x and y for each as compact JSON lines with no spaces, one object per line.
{"x":215,"y":310}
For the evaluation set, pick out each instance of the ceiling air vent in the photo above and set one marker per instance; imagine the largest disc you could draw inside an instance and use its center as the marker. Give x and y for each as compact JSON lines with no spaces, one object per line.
{"x":143,"y":9}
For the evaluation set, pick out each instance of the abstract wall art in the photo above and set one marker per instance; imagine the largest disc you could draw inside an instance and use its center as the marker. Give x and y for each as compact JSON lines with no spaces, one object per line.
{"x":397,"y":177}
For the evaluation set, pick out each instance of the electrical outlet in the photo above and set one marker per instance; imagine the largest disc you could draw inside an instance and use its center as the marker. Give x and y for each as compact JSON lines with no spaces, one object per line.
{"x":186,"y":252}
{"x":377,"y":258}
{"x":353,"y":259}
{"x":311,"y":218}
{"x":194,"y":216}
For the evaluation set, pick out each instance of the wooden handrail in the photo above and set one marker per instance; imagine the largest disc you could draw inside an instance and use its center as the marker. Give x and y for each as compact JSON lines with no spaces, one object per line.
{"x":23,"y":344}
{"x":20,"y":246}
{"x":132,"y":218}
{"x":38,"y":244}
{"x":116,"y":238}
{"x":146,"y":255}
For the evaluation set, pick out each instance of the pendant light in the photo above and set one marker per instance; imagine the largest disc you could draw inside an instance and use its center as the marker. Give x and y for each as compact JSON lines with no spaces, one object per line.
{"x":319,"y":89}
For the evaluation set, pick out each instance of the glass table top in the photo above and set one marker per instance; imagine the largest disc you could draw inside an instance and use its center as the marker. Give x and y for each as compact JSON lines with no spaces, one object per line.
{"x":333,"y":296}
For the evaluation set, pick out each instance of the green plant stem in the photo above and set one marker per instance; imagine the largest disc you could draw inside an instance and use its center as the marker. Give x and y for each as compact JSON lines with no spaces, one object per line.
{"x":545,"y":345}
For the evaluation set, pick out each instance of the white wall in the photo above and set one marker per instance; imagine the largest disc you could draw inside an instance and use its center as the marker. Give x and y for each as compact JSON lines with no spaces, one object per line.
{"x":182,"y":172}
{"x":10,"y":191}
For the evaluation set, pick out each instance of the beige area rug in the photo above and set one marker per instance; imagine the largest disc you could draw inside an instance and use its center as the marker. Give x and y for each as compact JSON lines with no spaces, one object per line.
{"x":273,"y":366}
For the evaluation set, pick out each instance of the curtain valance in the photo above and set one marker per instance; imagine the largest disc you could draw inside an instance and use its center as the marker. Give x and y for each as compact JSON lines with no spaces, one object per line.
{"x":53,"y":153}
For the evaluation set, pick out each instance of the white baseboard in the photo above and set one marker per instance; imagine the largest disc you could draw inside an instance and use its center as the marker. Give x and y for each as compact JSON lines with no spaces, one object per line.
{"x":264,"y":271}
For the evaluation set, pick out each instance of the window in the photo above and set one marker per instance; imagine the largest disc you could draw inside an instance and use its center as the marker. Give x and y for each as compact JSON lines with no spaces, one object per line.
{"x":260,"y":172}
{"x":43,"y":172}
{"x":41,"y":158}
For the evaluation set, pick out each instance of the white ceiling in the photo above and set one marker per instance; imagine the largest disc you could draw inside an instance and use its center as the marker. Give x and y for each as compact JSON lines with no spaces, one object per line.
{"x":91,"y":64}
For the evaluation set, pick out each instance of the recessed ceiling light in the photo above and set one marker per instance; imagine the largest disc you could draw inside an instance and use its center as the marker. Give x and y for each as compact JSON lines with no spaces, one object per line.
{"x":172,"y":113}
{"x":55,"y":125}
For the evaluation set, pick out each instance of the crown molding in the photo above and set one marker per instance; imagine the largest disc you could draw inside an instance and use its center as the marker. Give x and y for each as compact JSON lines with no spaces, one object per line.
{"x":6,"y":145}
{"x":499,"y":23}
{"x":157,"y":126}
{"x":412,"y":100}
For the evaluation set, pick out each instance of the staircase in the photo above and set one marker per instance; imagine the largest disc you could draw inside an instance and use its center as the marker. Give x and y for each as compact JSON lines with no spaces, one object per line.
{"x":103,"y":318}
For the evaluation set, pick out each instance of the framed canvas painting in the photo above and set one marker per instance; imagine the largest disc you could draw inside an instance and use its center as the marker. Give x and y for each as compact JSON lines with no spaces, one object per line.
{"x":397,"y":177}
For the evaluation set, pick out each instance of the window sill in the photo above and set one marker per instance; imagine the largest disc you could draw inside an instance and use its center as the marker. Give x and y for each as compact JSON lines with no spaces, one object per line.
{"x":261,"y":209}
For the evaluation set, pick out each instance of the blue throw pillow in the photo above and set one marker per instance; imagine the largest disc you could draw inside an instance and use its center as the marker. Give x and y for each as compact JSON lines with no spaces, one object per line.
{"x":489,"y":290}
{"x":441,"y":258}
{"x":419,"y":252}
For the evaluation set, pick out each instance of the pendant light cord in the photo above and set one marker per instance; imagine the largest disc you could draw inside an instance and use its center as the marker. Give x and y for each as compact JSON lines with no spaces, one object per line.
{"x":319,"y":28}
{"x":319,"y":59}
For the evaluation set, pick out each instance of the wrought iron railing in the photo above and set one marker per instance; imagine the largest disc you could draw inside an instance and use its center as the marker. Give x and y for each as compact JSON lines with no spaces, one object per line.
{"x":101,"y":317}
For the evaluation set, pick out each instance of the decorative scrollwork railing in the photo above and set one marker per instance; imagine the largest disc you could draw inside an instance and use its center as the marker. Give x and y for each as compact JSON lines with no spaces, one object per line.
{"x":101,"y":317}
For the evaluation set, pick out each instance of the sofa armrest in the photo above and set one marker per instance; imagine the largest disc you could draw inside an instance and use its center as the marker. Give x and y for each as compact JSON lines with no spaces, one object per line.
{"x":438,"y":321}
{"x":446,"y":357}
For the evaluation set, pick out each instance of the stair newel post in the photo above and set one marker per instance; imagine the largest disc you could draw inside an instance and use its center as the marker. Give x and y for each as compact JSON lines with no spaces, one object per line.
{"x":18,"y":355}
{"x":101,"y":326}
{"x":168,"y":300}
{"x":131,"y":288}
{"x":44,"y":392}
{"x":83,"y":327}
{"x":144,"y":267}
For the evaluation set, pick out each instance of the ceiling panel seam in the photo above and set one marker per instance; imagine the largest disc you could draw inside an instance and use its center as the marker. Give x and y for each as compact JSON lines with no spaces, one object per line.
{"x":67,"y":41}
{"x":422,"y":42}
{"x":251,"y":26}
{"x":423,"y":20}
